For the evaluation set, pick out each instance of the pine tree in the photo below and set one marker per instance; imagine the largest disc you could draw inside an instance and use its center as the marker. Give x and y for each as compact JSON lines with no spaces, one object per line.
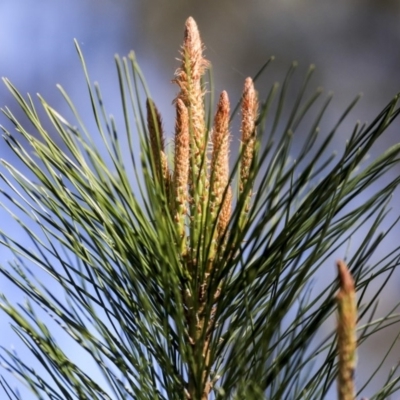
{"x":197,"y":285}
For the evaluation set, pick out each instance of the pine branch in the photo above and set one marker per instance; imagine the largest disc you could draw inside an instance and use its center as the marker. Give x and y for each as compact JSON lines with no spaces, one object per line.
{"x":176,"y":285}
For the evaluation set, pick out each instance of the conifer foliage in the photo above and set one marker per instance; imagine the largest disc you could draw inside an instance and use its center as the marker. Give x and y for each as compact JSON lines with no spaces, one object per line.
{"x":186,"y":273}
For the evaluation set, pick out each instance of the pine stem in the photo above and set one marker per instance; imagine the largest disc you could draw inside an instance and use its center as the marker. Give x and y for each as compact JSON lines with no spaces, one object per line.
{"x":346,"y":333}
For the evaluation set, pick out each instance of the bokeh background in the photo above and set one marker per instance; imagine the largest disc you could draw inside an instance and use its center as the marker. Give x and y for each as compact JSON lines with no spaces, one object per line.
{"x":355,"y":46}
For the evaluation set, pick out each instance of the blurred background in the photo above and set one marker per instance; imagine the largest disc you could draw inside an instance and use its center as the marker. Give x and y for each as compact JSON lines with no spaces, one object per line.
{"x":355,"y":46}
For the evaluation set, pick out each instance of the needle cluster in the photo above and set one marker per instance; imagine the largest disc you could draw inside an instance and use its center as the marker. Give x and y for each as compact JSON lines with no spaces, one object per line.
{"x":190,"y":273}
